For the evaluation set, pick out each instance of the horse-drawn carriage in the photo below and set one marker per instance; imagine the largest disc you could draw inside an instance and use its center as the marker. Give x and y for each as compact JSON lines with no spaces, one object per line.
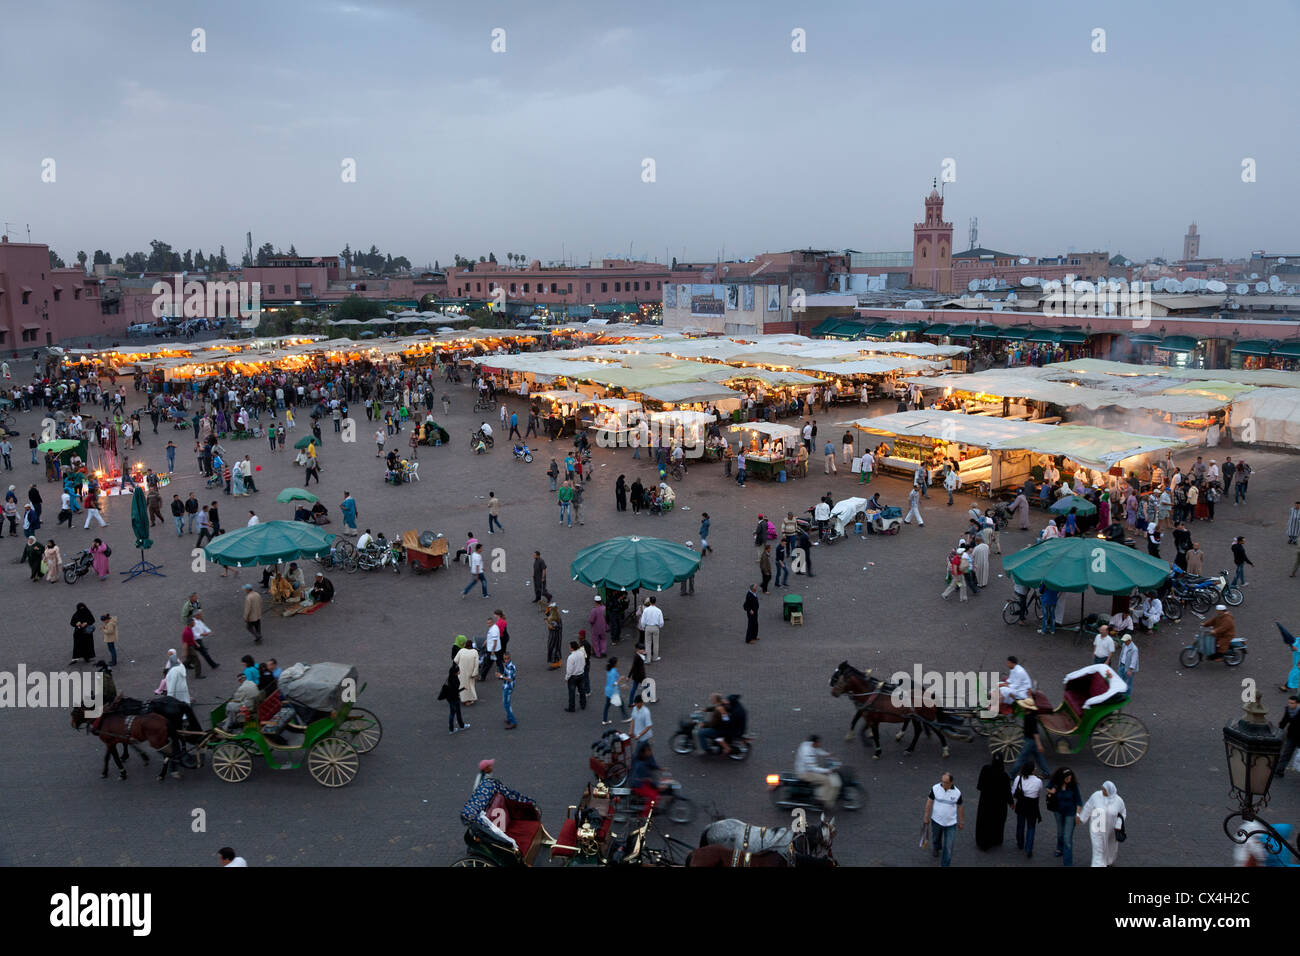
{"x":504,"y":828}
{"x":1090,"y":712}
{"x":309,"y":718}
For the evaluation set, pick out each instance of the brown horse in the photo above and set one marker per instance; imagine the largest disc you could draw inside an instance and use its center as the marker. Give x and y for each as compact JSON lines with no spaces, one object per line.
{"x":875,"y":705}
{"x":129,"y":732}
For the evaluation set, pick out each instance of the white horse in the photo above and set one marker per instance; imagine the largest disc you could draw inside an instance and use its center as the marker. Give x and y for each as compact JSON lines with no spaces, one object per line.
{"x":745,"y":839}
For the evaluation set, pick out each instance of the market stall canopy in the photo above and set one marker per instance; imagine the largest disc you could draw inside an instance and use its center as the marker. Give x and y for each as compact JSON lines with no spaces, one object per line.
{"x":614,"y":404}
{"x":268,"y":542}
{"x":1257,"y":377}
{"x":1269,"y":416}
{"x":774,"y":379}
{"x":690,"y":392}
{"x":1080,"y":564}
{"x":770,"y":429}
{"x":874,"y":366}
{"x":1063,"y":506}
{"x":1038,"y":384}
{"x":561,"y":395}
{"x":1095,"y":447}
{"x":632,"y":562}
{"x":58,"y":445}
{"x":682,"y":416}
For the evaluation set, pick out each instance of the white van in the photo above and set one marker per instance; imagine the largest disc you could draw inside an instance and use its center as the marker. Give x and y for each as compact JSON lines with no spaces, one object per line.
{"x":140,"y":328}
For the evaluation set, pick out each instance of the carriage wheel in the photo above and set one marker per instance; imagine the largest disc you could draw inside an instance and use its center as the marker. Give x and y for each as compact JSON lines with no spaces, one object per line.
{"x":231,"y":762}
{"x":333,"y":762}
{"x":981,"y":726}
{"x":474,"y":861}
{"x":361,"y":728}
{"x":616,"y":774}
{"x":1120,"y":740}
{"x":1006,"y":741}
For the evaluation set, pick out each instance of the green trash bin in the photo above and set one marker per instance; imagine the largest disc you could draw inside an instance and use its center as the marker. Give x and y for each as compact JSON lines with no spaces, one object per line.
{"x":792,"y":603}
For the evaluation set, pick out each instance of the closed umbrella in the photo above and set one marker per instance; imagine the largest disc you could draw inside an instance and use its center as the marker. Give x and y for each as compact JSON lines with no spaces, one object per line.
{"x":629,"y":563}
{"x":296,"y":494}
{"x":140,"y":525}
{"x":269,"y":542}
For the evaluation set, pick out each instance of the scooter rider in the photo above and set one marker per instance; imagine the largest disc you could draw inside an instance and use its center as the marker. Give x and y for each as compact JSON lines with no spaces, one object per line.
{"x":813,"y":765}
{"x":710,"y":730}
{"x":1224,"y":629}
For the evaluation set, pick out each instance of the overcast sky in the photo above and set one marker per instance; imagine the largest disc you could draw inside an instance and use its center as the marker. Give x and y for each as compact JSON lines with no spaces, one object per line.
{"x":539,"y":149}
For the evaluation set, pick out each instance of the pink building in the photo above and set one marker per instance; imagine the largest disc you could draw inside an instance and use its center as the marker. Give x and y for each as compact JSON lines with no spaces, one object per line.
{"x":325,"y":280}
{"x":613,"y":281}
{"x":44,"y":306}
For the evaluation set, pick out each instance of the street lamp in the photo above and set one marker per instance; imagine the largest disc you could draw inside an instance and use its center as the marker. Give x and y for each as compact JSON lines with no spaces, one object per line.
{"x":1253,"y":749}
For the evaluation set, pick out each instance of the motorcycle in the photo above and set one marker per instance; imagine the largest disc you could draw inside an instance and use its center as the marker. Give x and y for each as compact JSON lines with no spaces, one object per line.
{"x":79,"y":567}
{"x":378,"y":555}
{"x":789,"y":792}
{"x":685,"y":742}
{"x":523,"y":454}
{"x":1204,"y":593}
{"x":1203,"y":645}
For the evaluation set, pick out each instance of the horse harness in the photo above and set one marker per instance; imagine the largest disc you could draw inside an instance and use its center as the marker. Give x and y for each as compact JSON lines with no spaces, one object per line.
{"x":741,"y":856}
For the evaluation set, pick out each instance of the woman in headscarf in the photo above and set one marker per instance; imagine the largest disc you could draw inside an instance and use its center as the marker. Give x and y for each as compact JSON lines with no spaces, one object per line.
{"x":466,"y":661}
{"x":620,"y":493}
{"x":1103,"y":813}
{"x":53,"y":561}
{"x":99,"y":558}
{"x":83,"y":645}
{"x":1103,"y":509}
{"x":1020,"y":508}
{"x":995,"y":796}
{"x":34,"y":554}
{"x":638,"y":494}
{"x":1050,"y":531}
{"x":1071,"y":524}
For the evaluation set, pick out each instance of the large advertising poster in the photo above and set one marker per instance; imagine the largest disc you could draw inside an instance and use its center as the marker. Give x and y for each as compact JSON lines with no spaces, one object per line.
{"x":774,"y":298}
{"x":733,"y":298}
{"x":670,"y":296}
{"x":747,"y":298}
{"x":708,"y":300}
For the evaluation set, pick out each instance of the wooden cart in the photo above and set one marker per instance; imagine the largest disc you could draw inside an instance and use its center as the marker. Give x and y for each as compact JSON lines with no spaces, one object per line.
{"x":421,"y":558}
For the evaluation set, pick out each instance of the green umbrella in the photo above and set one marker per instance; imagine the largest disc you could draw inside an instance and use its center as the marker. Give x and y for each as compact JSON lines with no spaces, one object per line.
{"x":58,"y":445}
{"x":140,"y":520}
{"x":1082,"y":505}
{"x":632,"y":562}
{"x":433,"y":428}
{"x":296,"y":494}
{"x":1077,"y":564}
{"x":269,"y":542}
{"x":304,"y":441}
{"x":140,"y":525}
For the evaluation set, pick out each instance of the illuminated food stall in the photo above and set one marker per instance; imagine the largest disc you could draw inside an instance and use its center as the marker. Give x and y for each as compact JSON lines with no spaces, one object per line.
{"x":613,"y":419}
{"x":770,"y":448}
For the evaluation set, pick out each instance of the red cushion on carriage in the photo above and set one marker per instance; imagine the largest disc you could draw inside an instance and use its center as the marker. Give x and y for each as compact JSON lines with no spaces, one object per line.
{"x":598,"y":767}
{"x":270,"y":707}
{"x":568,"y":840}
{"x":1097,"y":685}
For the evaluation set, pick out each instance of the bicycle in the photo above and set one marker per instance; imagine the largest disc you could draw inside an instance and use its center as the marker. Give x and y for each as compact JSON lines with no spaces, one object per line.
{"x":678,"y":471}
{"x":484,"y":405}
{"x":1011,"y":612}
{"x":478,"y":436}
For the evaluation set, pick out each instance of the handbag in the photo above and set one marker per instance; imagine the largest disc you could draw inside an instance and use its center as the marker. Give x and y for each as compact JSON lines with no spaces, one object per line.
{"x":1053,"y":801}
{"x":108,"y":550}
{"x":616,"y":700}
{"x":44,"y":568}
{"x":1120,"y":834}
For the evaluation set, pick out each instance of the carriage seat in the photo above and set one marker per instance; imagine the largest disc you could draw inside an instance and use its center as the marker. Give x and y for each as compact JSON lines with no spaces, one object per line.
{"x":523,"y":824}
{"x":1040,"y":701}
{"x":1075,"y":695}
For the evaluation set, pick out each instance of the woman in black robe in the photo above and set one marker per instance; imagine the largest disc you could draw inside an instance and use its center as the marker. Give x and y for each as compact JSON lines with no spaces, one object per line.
{"x":620,"y":493}
{"x":995,"y":797}
{"x":638,"y":493}
{"x":83,"y":646}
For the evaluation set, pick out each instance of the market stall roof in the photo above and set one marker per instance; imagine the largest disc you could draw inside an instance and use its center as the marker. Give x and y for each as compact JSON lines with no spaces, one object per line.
{"x":614,"y":404}
{"x":1268,"y":416}
{"x":937,"y":330}
{"x":874,"y":366}
{"x":687,"y":392}
{"x":776,"y":379}
{"x":1257,"y":377}
{"x":770,"y":429}
{"x":1287,"y":350}
{"x":562,"y":395}
{"x":683,"y":416}
{"x":1094,"y":447}
{"x":1038,"y":384}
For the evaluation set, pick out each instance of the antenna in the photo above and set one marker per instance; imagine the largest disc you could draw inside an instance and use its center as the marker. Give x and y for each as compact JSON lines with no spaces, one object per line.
{"x":974,"y":231}
{"x":7,"y":226}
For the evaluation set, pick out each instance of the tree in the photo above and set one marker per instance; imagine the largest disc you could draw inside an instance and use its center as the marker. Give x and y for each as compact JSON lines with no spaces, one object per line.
{"x":355,"y":307}
{"x":436,"y":267}
{"x":264,"y":252}
{"x":102,"y":258}
{"x":492,"y":257}
{"x":200,"y":264}
{"x":401,"y":264}
{"x":221,"y":265}
{"x":347,"y":254}
{"x":292,"y":250}
{"x":56,"y":262}
{"x":187,"y":261}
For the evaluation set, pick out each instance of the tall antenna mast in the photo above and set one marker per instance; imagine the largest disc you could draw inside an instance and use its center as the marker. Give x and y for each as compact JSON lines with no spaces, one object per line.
{"x":974,"y":231}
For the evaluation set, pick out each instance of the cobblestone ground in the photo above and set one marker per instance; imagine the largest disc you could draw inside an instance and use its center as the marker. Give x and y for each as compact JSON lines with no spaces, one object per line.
{"x":874,"y":602}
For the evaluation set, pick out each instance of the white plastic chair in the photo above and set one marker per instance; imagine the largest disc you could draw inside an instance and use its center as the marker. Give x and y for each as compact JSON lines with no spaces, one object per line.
{"x":414,"y":469}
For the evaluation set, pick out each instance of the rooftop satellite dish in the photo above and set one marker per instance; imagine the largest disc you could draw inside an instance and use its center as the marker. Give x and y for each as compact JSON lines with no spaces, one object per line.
{"x":1082,"y":286}
{"x":979,"y":296}
{"x":1254,"y":275}
{"x":1107,"y":307}
{"x":1115,"y":285}
{"x":1191,"y":285}
{"x":1024,"y":261}
{"x":1274,"y":283}
{"x":1261,"y":286}
{"x":1029,"y":281}
{"x":1241,"y":288}
{"x":1128,"y":263}
{"x":997,"y":306}
{"x":973,"y":284}
{"x":1236,"y":305}
{"x":1214,"y":285}
{"x":1281,"y":260}
{"x":914,"y":304}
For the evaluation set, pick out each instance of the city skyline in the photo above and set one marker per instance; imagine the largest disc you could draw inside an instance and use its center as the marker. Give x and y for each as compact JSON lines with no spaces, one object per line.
{"x":540,"y":148}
